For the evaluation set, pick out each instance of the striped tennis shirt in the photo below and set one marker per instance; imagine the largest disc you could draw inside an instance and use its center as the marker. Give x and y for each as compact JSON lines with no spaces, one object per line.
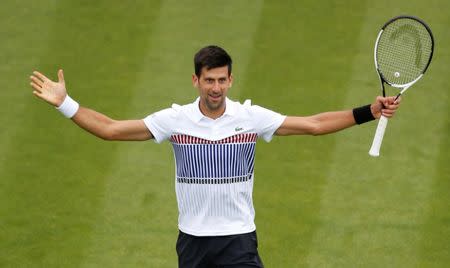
{"x":214,"y":163}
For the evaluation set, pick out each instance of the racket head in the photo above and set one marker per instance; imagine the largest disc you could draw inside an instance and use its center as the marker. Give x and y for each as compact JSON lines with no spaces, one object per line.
{"x":403,"y":50}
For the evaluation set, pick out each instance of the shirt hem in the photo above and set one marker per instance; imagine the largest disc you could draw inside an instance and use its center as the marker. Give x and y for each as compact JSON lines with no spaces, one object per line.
{"x":216,"y":233}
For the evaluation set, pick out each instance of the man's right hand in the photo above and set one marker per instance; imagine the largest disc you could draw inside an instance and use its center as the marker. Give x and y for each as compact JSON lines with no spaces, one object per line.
{"x":48,"y":90}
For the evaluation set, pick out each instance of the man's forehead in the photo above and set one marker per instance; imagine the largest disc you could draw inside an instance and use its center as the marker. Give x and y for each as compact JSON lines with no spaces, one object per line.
{"x":214,"y":72}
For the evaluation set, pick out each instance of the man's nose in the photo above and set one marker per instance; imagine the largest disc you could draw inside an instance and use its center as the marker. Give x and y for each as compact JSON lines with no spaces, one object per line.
{"x":216,"y":86}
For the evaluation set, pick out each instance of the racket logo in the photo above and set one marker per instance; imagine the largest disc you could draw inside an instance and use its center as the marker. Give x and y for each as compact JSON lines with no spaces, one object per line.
{"x":405,"y":31}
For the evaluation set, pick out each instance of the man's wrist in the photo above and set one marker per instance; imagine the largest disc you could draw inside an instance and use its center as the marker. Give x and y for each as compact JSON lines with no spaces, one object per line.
{"x":363,"y":114}
{"x":68,"y":107}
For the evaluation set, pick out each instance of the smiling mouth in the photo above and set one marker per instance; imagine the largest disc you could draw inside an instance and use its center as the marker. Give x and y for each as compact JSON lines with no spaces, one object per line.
{"x":215,"y":97}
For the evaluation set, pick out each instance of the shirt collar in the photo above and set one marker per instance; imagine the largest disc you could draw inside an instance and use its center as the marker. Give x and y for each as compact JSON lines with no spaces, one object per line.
{"x":230,"y":109}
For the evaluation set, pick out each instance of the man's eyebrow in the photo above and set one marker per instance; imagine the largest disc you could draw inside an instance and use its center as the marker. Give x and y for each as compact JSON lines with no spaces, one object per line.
{"x":220,"y":77}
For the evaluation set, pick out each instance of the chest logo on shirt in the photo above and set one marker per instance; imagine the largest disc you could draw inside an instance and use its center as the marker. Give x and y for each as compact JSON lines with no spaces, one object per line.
{"x":238,"y":129}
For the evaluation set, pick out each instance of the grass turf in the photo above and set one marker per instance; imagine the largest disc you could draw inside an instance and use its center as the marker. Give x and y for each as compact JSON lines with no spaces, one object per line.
{"x":69,"y":199}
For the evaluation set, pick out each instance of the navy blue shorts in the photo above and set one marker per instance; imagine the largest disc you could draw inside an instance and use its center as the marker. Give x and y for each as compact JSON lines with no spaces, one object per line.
{"x":231,"y":251}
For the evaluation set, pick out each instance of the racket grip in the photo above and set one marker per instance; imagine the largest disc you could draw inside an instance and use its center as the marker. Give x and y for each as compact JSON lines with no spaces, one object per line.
{"x":378,"y":138}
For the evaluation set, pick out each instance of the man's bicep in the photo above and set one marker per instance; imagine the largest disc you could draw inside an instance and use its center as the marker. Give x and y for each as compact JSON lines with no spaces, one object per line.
{"x":296,"y":125}
{"x":131,"y":130}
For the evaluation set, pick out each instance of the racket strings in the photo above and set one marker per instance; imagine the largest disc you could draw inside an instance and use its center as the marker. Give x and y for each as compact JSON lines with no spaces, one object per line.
{"x":403,"y":51}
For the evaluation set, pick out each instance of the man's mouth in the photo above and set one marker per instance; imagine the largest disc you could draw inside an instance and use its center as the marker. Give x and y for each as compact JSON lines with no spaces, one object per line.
{"x":215,"y":97}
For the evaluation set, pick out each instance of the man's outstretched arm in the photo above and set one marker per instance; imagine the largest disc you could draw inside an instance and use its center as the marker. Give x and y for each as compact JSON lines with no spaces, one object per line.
{"x":329,"y":122}
{"x":98,"y":124}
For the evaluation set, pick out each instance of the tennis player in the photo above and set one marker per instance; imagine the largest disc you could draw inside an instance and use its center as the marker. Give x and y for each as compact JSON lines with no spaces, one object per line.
{"x":214,"y":142}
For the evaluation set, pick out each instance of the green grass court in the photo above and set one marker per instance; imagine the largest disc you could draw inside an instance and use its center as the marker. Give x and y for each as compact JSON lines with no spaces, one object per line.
{"x":68,"y":199}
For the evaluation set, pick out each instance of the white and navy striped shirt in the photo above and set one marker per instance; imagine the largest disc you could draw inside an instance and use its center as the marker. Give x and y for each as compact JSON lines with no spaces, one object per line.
{"x":214,"y":163}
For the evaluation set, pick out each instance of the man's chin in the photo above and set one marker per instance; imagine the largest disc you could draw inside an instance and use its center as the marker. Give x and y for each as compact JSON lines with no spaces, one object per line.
{"x":215,"y":105}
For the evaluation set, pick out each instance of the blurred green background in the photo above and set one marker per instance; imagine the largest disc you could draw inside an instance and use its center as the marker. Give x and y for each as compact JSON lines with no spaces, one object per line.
{"x":68,"y":199}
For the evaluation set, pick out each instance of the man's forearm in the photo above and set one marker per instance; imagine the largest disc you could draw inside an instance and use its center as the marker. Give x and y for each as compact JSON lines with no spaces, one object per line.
{"x":330,"y":122}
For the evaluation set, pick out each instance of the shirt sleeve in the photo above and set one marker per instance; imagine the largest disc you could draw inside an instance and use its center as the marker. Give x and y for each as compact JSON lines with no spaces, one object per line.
{"x":161,"y":124}
{"x":267,"y":121}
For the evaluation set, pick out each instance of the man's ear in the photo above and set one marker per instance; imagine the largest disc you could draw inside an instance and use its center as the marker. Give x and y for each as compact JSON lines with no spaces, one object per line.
{"x":194,"y":80}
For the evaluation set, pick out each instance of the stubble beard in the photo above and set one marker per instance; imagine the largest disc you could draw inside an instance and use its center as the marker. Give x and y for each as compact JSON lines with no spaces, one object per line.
{"x":214,"y":106}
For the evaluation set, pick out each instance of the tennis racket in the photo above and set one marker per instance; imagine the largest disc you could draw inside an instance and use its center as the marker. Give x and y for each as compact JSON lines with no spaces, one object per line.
{"x":403,"y":52}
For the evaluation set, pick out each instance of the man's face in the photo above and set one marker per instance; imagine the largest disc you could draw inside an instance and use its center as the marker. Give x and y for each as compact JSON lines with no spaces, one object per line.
{"x":213,"y":85}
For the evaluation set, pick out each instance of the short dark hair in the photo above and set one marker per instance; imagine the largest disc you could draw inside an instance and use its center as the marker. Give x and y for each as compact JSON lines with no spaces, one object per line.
{"x":211,"y":57}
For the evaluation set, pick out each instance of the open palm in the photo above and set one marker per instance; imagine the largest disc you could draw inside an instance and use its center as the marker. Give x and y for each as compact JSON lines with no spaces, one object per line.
{"x":48,"y":90}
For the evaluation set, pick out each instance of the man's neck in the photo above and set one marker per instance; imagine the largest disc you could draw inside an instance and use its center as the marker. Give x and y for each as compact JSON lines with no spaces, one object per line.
{"x":213,"y":114}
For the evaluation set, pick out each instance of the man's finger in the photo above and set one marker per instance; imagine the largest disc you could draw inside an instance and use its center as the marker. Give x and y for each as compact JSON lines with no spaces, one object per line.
{"x":36,"y":86}
{"x":388,"y":113}
{"x":61,"y":76}
{"x":395,"y":105}
{"x":391,"y":107}
{"x":37,"y":93}
{"x":36,"y":81}
{"x":41,"y":76}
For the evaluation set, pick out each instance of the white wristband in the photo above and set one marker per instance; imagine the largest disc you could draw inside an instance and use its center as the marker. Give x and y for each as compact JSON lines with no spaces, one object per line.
{"x":69,"y":107}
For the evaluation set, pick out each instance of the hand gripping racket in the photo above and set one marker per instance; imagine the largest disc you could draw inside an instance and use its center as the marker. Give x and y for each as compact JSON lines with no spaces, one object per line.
{"x":402,"y":53}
